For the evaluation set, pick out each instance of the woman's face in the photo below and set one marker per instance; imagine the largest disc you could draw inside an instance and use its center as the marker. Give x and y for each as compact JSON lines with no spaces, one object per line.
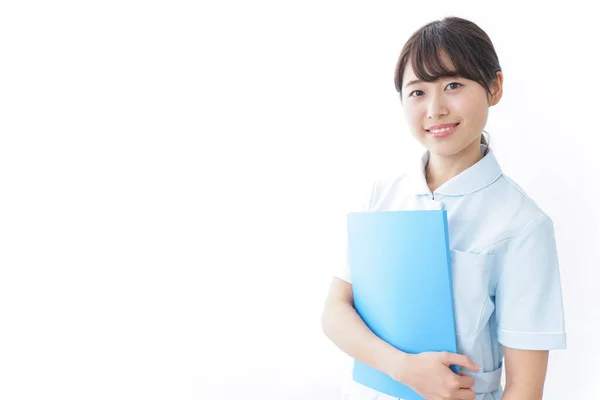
{"x":449,"y":114}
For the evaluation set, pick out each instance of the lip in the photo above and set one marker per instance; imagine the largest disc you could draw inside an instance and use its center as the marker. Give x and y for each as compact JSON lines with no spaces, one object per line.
{"x":441,"y":126}
{"x":442,"y":134}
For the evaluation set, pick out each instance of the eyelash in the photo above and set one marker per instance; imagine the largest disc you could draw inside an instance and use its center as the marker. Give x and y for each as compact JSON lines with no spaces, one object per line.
{"x":451,"y":83}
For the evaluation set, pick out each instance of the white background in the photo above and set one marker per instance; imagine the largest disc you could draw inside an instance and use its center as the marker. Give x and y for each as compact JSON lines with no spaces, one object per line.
{"x":174,"y":178}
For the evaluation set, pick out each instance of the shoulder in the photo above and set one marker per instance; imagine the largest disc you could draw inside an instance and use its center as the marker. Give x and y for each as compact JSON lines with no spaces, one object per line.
{"x":516,"y":211}
{"x":516,"y":200}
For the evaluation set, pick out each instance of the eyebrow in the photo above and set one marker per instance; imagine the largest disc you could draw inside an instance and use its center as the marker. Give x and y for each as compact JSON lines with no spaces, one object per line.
{"x":414,"y":82}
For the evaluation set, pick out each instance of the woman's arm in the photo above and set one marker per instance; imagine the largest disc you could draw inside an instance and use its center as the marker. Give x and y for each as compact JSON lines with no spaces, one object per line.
{"x":525,"y":373}
{"x":426,"y":373}
{"x":342,"y":325}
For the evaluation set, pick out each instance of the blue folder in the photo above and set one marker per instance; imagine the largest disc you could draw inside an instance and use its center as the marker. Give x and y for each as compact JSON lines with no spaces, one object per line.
{"x":402,"y":286}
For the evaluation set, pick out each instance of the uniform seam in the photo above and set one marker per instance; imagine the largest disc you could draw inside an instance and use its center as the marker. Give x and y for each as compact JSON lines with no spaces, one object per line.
{"x":512,"y":237}
{"x":515,"y":237}
{"x":532,"y":333}
{"x":522,"y":191}
{"x":479,"y":324}
{"x":533,"y":221}
{"x":485,"y":248}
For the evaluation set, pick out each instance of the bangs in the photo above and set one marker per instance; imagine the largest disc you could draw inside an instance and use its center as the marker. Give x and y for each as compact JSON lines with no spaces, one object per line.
{"x":435,"y":56}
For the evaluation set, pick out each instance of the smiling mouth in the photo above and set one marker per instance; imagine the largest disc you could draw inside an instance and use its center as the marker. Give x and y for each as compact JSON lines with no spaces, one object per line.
{"x":440,"y":132}
{"x":442,"y":128}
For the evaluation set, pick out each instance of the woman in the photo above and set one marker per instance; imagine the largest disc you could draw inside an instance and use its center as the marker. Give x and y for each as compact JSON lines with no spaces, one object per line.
{"x":508,"y":300}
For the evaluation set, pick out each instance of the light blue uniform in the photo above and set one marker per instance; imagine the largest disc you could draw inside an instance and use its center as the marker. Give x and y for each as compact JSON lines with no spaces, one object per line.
{"x":504,"y":261}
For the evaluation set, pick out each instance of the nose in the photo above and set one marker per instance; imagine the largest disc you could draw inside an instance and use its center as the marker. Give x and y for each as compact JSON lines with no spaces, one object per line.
{"x":436,"y":108}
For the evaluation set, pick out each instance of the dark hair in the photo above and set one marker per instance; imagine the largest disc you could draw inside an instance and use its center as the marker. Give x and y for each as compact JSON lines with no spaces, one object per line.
{"x":468,"y":47}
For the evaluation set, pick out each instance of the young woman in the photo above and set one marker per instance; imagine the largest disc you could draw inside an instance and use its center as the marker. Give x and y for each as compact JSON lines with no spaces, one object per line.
{"x":508,"y":300}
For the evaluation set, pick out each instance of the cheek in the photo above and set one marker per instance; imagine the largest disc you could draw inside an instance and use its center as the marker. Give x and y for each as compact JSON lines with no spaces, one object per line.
{"x":413,"y":116}
{"x":473,"y":108}
{"x":462,"y":105}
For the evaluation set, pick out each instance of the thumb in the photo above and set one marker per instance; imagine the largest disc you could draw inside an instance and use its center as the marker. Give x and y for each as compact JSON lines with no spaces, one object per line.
{"x":462,"y":360}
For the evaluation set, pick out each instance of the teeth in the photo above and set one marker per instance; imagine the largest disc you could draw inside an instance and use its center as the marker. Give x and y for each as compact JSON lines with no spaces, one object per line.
{"x":441,"y":130}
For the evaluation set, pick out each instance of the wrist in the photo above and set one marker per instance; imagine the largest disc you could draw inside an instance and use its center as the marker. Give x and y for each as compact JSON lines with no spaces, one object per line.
{"x":398,"y":367}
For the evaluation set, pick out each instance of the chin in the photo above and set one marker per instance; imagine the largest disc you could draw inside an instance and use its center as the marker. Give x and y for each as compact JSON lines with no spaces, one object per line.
{"x":450,"y":145}
{"x":445,"y":149}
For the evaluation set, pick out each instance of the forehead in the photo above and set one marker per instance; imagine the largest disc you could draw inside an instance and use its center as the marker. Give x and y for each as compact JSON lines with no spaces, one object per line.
{"x":410,"y":74}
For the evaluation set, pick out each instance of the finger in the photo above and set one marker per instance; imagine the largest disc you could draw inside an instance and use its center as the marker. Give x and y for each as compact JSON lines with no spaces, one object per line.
{"x":461,"y":360}
{"x":464,"y":394}
{"x":466,"y":381}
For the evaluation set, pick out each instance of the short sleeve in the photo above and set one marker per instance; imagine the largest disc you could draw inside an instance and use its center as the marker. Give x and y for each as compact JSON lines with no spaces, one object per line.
{"x":529,"y":305}
{"x":361,"y":205}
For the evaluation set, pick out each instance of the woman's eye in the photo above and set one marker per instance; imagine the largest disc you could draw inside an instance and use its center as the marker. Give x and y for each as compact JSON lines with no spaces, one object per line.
{"x":454,"y":85}
{"x":416,"y":93}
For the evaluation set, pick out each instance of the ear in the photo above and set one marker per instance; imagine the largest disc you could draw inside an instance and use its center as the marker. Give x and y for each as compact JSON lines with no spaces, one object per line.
{"x":496,"y":88}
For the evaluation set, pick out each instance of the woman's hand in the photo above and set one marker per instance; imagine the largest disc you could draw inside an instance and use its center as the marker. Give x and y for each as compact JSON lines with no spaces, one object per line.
{"x":429,"y":375}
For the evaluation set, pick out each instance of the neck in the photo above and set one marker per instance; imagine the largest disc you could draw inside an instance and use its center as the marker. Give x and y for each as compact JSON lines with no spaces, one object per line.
{"x":440,"y":169}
